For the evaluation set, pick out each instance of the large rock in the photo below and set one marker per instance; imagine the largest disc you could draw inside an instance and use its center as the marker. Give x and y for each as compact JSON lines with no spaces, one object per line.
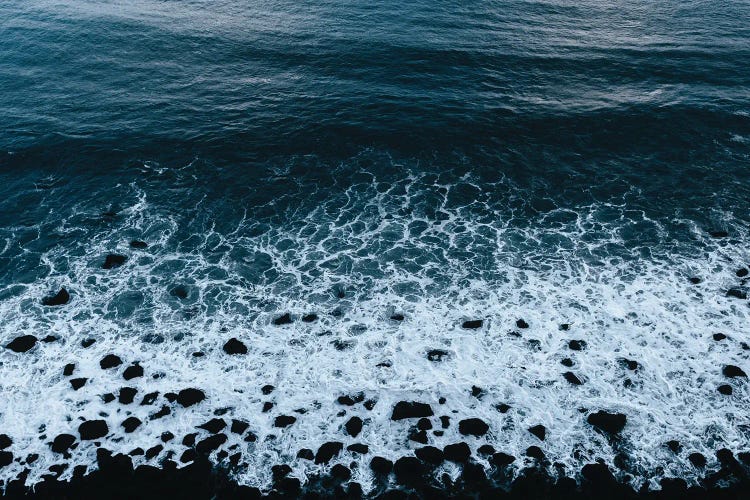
{"x":93,"y":429}
{"x":113,"y":260}
{"x":611,"y":423}
{"x":22,"y":344}
{"x":59,"y":299}
{"x":235,"y":346}
{"x":473,"y":427}
{"x":327,"y":451}
{"x":190,"y":396}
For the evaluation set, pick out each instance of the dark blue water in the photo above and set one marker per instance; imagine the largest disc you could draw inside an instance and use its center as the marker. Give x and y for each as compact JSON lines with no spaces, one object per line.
{"x":564,"y":162}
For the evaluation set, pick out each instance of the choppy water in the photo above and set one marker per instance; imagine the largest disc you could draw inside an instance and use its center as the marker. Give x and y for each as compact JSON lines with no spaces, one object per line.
{"x":560,"y":162}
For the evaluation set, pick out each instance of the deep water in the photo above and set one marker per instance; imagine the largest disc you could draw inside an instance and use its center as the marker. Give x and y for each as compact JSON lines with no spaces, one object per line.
{"x":570,"y":178}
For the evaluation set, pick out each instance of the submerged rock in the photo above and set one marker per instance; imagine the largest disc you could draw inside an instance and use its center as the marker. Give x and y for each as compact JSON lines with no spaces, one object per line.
{"x":437,"y":354}
{"x":113,"y":260}
{"x":138,"y":244}
{"x":59,"y":299}
{"x":309,"y":318}
{"x":21,"y":344}
{"x":284,"y":319}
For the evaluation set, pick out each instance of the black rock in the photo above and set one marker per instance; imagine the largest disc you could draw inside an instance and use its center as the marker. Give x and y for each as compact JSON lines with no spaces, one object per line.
{"x":180,"y":291}
{"x":694,"y":280}
{"x":110,"y":361}
{"x":521,"y":324}
{"x":737,"y":293}
{"x":234,"y":346}
{"x":149,"y":398}
{"x":6,"y":458}
{"x":477,"y":392}
{"x":539,"y":431}
{"x":353,"y":426}
{"x":133,"y":371}
{"x":351,"y":400}
{"x":611,"y":423}
{"x":502,"y":459}
{"x":214,"y":426}
{"x":397,"y":317}
{"x":732,"y":371}
{"x":93,"y":429}
{"x":567,"y":362}
{"x":306,"y":454}
{"x":267,"y":406}
{"x":572,"y":379}
{"x":166,"y":436}
{"x":445,"y":421}
{"x":674,"y":446}
{"x":280,"y":471}
{"x":210,"y":444}
{"x":576,"y":345}
{"x":725,"y":389}
{"x":189,"y":439}
{"x":267,"y":389}
{"x":409,"y":471}
{"x":130,"y":424}
{"x":327,"y":451}
{"x":138,"y":244}
{"x":284,"y":421}
{"x":472,"y":324}
{"x":113,"y":260}
{"x":239,"y":426}
{"x":86,"y":343}
{"x":77,"y":383}
{"x":22,"y":343}
{"x":486,"y":450}
{"x":153,"y":451}
{"x":341,"y":472}
{"x":49,"y":338}
{"x":381,"y":466}
{"x":161,"y":413}
{"x":629,"y":364}
{"x":437,"y":354}
{"x":413,"y":409}
{"x":127,"y":394}
{"x":309,"y":318}
{"x":473,"y":427}
{"x":68,"y":370}
{"x":62,"y":443}
{"x":429,"y":454}
{"x":697,"y":459}
{"x":719,"y":337}
{"x":358,"y":448}
{"x":424,"y":424}
{"x":108,"y":398}
{"x":59,"y":299}
{"x":502,"y":407}
{"x":284,"y":319}
{"x":190,"y":396}
{"x":741,"y":273}
{"x":457,"y":452}
{"x":718,"y":233}
{"x":535,"y":452}
{"x":418,"y":436}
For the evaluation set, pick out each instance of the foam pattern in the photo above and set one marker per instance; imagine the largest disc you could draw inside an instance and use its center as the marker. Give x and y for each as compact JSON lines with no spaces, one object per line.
{"x":357,"y":248}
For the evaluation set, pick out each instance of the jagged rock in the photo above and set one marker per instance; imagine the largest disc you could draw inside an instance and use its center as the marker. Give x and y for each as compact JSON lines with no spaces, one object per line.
{"x":486,"y":450}
{"x":502,"y":459}
{"x":68,"y":370}
{"x":535,"y":452}
{"x":327,"y":451}
{"x":611,"y":423}
{"x":351,"y":400}
{"x":457,"y":452}
{"x":77,"y":383}
{"x":59,"y":299}
{"x":418,"y":436}
{"x":130,"y":424}
{"x":473,"y":427}
{"x":539,"y":431}
{"x":22,"y":344}
{"x":214,"y":426}
{"x":93,"y":429}
{"x":235,"y":346}
{"x":413,"y":409}
{"x":110,"y":361}
{"x":133,"y":371}
{"x":472,"y":324}
{"x":114,"y":260}
{"x":190,"y":396}
{"x":239,"y":426}
{"x":445,"y":421}
{"x":354,"y":426}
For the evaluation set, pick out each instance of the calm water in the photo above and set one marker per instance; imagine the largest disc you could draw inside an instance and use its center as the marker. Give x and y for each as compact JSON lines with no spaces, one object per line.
{"x":561,"y":162}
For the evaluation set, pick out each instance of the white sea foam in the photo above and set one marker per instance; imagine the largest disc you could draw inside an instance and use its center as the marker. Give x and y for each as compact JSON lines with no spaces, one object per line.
{"x":378,"y":244}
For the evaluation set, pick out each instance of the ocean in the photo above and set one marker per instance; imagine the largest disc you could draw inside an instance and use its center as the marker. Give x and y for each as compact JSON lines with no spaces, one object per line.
{"x":520,"y":213}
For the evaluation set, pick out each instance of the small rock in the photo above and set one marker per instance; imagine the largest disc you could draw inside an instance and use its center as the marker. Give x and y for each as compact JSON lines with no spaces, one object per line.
{"x":22,"y":344}
{"x":267,"y":389}
{"x":502,"y":407}
{"x":732,"y":371}
{"x":694,"y":280}
{"x":611,"y":423}
{"x":153,"y":451}
{"x":719,"y":337}
{"x":130,"y":424}
{"x":149,"y":398}
{"x":62,"y":443}
{"x":351,"y":400}
{"x":110,"y":361}
{"x":522,"y":324}
{"x":741,"y":273}
{"x":360,"y":448}
{"x":235,"y":346}
{"x":133,"y":371}
{"x":437,"y":354}
{"x":306,"y":454}
{"x":418,"y":436}
{"x":472,"y":324}
{"x":502,"y":459}
{"x":211,"y":443}
{"x":674,"y":446}
{"x":284,"y":319}
{"x":327,"y":451}
{"x":239,"y":426}
{"x":127,"y":395}
{"x":535,"y":452}
{"x":576,"y":345}
{"x":114,"y":260}
{"x":424,"y":424}
{"x":572,"y":379}
{"x":397,"y":317}
{"x":409,"y":471}
{"x":214,"y":426}
{"x":737,"y":293}
{"x":567,"y":362}
{"x":473,"y":427}
{"x":59,"y":299}
{"x":354,"y":426}
{"x":697,"y":459}
{"x":406,"y":409}
{"x":725,"y":389}
{"x":77,"y":383}
{"x":284,"y":421}
{"x":138,"y":244}
{"x":189,"y":397}
{"x":309,"y":318}
{"x":539,"y":431}
{"x":68,"y":370}
{"x":93,"y":429}
{"x":341,"y":472}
